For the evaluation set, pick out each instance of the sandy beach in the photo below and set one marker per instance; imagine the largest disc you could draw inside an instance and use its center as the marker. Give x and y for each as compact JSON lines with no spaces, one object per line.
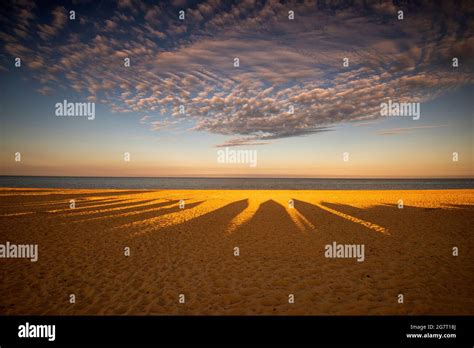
{"x":281,"y":252}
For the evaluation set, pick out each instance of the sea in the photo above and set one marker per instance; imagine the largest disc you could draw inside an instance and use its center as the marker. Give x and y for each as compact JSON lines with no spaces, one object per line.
{"x":232,"y":183}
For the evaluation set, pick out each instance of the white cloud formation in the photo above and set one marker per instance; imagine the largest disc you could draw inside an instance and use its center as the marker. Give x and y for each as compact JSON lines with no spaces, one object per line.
{"x":283,"y":64}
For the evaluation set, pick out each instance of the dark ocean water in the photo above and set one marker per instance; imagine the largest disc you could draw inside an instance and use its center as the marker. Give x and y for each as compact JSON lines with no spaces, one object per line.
{"x":233,"y":183}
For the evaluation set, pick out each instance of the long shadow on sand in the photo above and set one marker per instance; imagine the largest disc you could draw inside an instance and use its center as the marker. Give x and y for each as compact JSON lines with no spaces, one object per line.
{"x":202,"y":235}
{"x":98,"y":209}
{"x":125,"y":211}
{"x":211,"y":223}
{"x":270,"y":223}
{"x":119,"y":220}
{"x":31,"y":198}
{"x":334,"y":227}
{"x":55,"y":202}
{"x":402,"y":223}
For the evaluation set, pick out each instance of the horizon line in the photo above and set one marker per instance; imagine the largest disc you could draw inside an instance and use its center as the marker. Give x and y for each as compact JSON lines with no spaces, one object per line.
{"x":248,"y":177}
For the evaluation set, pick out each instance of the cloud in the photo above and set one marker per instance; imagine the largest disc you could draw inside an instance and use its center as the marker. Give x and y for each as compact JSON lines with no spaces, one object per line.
{"x":59,"y":20}
{"x":45,"y":90}
{"x":396,"y":131}
{"x":124,"y":4}
{"x":290,"y":80}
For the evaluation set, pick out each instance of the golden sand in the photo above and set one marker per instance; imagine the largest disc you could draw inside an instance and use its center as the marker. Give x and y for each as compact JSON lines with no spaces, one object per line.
{"x":190,"y":251}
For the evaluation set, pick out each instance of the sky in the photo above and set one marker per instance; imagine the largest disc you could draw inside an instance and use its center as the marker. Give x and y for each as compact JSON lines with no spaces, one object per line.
{"x":305,"y":96}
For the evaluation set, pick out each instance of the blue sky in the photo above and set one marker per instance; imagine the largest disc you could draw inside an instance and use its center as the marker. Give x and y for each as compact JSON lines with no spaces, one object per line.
{"x":282,"y":62}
